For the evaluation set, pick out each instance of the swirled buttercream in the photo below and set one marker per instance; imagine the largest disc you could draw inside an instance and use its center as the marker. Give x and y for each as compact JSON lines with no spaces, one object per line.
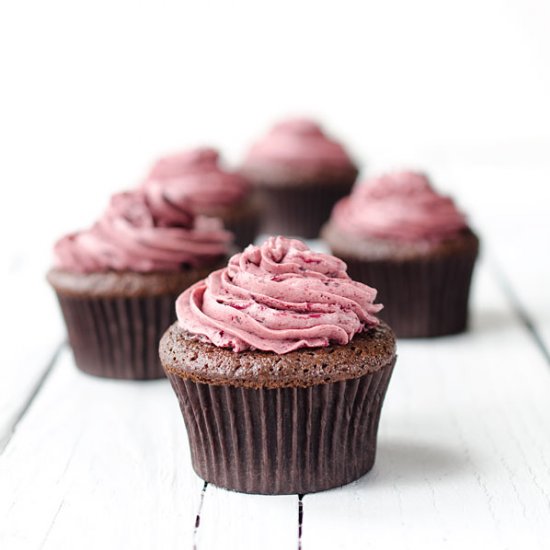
{"x":278,"y":297}
{"x":400,"y":206}
{"x":133,"y":236}
{"x":298,"y":142}
{"x":195,"y":178}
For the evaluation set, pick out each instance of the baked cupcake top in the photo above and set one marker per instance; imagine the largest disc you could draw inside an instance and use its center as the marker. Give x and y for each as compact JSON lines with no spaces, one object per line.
{"x":297,"y":147}
{"x":399,"y":206}
{"x":278,"y":297}
{"x":136,"y":235}
{"x":195,"y":178}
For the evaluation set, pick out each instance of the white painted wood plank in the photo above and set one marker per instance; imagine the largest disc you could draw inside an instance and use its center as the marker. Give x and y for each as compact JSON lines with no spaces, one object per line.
{"x":464,"y":452}
{"x":462,"y":458}
{"x":235,"y":521}
{"x":32,"y":330}
{"x":98,"y":464}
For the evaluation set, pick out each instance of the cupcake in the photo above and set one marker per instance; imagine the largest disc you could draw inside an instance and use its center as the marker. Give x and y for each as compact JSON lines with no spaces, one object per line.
{"x":280,"y":366}
{"x":300,"y":173}
{"x":117,"y":281}
{"x":195,"y":178}
{"x":414,"y":246}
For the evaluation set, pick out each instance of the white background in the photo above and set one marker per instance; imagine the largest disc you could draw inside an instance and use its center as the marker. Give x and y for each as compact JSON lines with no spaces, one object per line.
{"x":91,"y":92}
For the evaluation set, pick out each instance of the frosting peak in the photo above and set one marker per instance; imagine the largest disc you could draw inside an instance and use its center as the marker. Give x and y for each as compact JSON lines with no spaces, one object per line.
{"x":194,"y":178}
{"x":133,"y":235}
{"x":278,"y":297}
{"x":401,"y":206}
{"x":298,"y":141}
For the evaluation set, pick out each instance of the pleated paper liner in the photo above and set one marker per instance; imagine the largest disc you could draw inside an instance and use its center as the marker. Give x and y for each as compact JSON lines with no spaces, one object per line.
{"x":115,"y":319}
{"x":422,"y":297}
{"x":299,"y":210}
{"x":118,"y":337}
{"x":283,"y":440}
{"x":245,"y":227}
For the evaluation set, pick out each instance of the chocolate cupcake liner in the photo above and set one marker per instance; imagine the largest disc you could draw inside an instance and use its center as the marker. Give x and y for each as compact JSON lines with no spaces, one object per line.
{"x":118,"y":337}
{"x":244,"y":228}
{"x":422,"y":297}
{"x":299,"y":210}
{"x":284,"y":440}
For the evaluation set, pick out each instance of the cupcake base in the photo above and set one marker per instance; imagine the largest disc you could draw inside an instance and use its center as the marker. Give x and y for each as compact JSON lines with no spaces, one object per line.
{"x":425,"y":292}
{"x":429,"y":298}
{"x":300,"y":209}
{"x":118,"y":337}
{"x":285,"y":440}
{"x":242,"y":219}
{"x":263,"y":423}
{"x":115,"y":320}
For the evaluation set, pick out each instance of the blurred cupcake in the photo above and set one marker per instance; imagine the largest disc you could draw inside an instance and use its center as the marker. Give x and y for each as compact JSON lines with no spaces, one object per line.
{"x":280,"y":367}
{"x":195,"y":178}
{"x":117,"y":282}
{"x":414,"y":246}
{"x":300,"y":173}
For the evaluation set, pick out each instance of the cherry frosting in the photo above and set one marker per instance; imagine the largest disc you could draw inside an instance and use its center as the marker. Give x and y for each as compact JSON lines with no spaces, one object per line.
{"x":133,"y":235}
{"x":278,"y":297}
{"x":298,"y":142}
{"x":196,"y":179}
{"x":402,"y":206}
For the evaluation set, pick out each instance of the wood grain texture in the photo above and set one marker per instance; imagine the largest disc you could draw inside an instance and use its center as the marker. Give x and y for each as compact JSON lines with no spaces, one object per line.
{"x":33,"y":330}
{"x":98,"y":464}
{"x":464,"y":453}
{"x":236,"y":521}
{"x":463,"y":458}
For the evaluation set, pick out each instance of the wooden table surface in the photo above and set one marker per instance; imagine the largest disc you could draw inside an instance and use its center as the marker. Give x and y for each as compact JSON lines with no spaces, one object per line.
{"x":464,"y":443}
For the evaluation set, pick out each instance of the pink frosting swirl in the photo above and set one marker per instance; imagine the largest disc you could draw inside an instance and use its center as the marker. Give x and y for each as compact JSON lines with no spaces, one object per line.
{"x":401,"y":206}
{"x":133,"y":236}
{"x":278,"y":297}
{"x":196,"y":179}
{"x":299,"y":142}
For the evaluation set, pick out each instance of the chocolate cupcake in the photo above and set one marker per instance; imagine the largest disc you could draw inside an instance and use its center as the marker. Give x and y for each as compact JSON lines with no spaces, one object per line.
{"x":414,"y":246}
{"x":280,"y":367}
{"x":117,"y":281}
{"x":196,"y":178}
{"x":300,"y":173}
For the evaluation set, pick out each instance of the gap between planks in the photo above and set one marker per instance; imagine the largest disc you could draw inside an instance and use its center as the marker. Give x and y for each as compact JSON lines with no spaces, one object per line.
{"x":519,"y":309}
{"x":197,"y":522}
{"x":32,"y":396}
{"x":198,"y":516}
{"x":516,"y":304}
{"x":300,"y":519}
